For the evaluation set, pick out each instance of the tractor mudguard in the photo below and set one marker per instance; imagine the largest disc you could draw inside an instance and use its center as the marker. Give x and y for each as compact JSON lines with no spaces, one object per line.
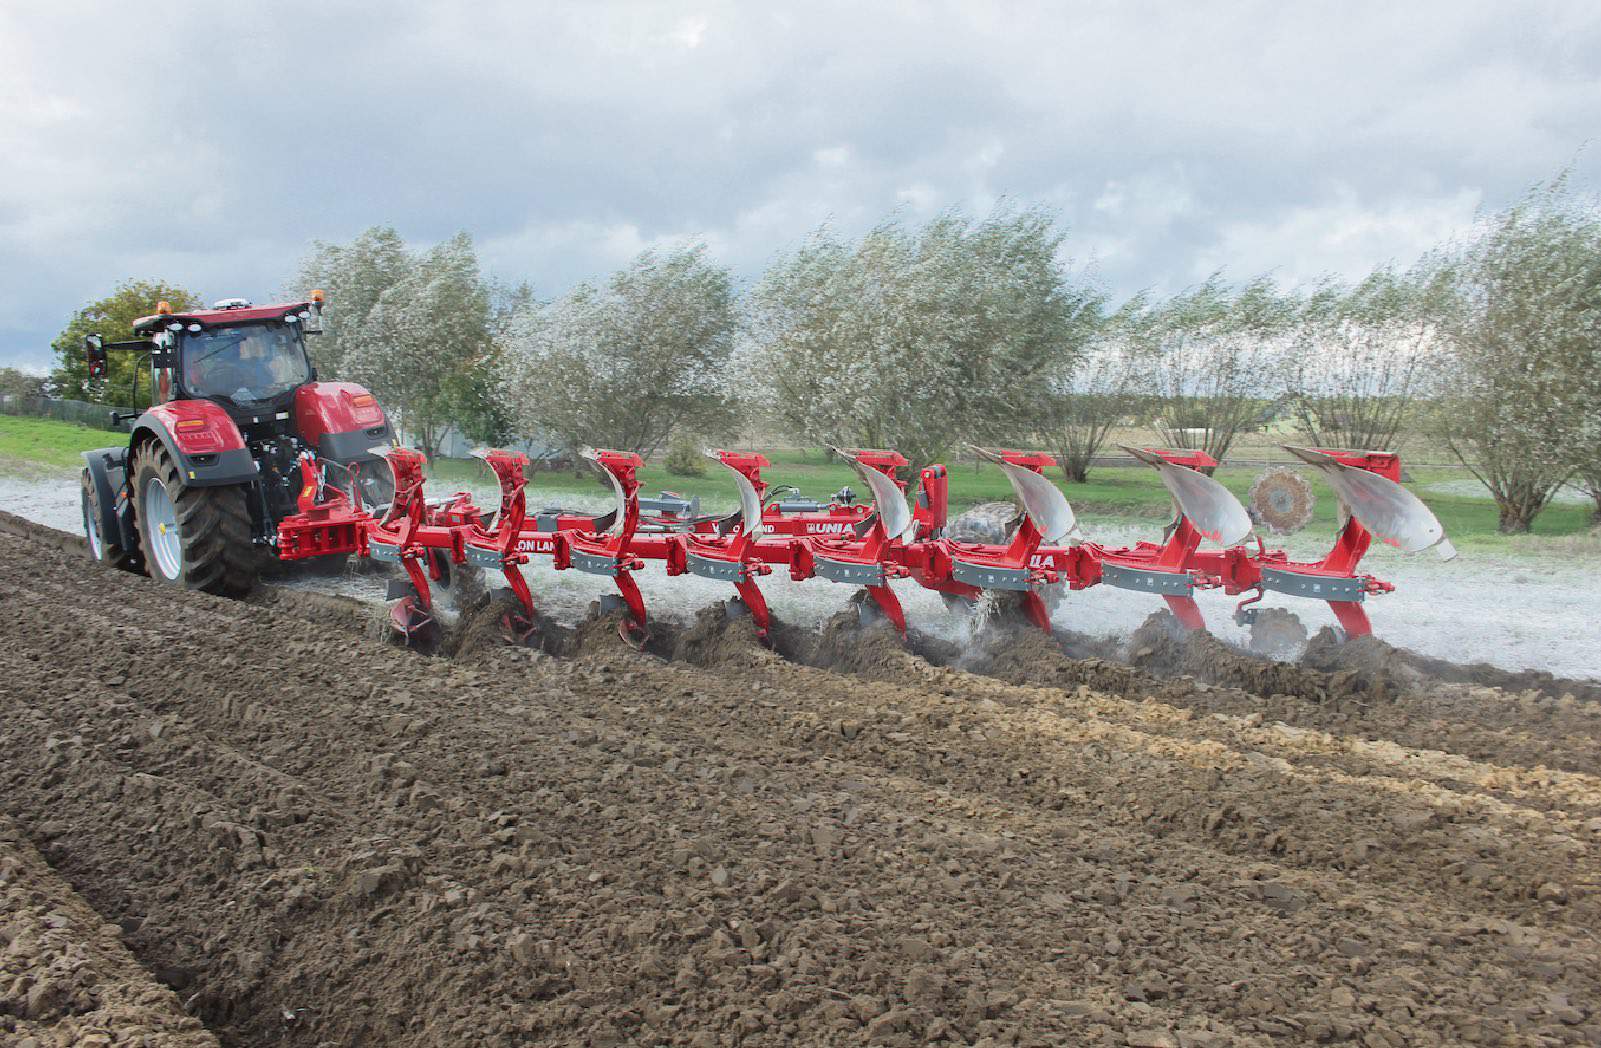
{"x":341,"y":420}
{"x":108,"y":472}
{"x":202,"y":440}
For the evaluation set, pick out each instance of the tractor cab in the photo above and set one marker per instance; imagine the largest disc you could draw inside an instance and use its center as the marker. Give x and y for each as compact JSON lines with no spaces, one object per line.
{"x":249,"y":360}
{"x":249,"y":364}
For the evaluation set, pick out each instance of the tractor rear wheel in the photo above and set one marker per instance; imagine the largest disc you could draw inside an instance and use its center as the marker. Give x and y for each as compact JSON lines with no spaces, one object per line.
{"x":195,"y":537}
{"x":102,"y":547}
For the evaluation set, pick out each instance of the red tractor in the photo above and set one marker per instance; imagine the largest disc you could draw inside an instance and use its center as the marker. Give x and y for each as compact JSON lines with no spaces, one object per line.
{"x":209,"y":470}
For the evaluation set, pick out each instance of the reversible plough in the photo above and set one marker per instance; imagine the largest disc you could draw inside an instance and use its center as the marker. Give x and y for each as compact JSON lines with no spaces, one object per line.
{"x":863,"y":544}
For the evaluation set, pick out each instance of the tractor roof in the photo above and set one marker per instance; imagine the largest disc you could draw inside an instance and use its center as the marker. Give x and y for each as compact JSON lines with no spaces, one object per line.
{"x":217,"y":317}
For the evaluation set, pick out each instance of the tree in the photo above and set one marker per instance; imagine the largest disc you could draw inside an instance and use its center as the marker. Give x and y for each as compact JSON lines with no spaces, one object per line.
{"x":1590,"y":480}
{"x":628,"y":364}
{"x":920,"y":338}
{"x":472,"y":399}
{"x":17,"y":383}
{"x":475,"y":399}
{"x":419,"y":329}
{"x":423,"y":340}
{"x":1099,"y":388}
{"x":1522,"y":327}
{"x":1361,"y":355}
{"x":113,"y":317}
{"x":355,"y":276}
{"x":1214,"y":367}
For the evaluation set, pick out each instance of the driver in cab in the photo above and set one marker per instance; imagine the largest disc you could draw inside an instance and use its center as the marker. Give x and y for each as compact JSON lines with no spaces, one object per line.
{"x":234,"y":367}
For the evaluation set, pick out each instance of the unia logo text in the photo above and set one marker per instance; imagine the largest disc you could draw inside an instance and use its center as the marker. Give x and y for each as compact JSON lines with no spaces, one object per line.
{"x":833,"y":528}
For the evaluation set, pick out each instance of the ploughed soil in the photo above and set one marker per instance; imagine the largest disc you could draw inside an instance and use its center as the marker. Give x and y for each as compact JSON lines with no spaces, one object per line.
{"x":254,"y":817}
{"x":66,"y":978}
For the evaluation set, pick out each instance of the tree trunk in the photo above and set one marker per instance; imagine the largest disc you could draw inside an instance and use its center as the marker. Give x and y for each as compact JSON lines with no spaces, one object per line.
{"x":1516,"y":518}
{"x":1075,"y":465}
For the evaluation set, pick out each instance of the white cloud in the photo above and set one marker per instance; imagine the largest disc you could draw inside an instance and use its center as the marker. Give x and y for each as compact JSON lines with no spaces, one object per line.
{"x":832,"y":156}
{"x":919,"y":196}
{"x":1341,"y":234}
{"x":1111,"y":199}
{"x":690,"y":32}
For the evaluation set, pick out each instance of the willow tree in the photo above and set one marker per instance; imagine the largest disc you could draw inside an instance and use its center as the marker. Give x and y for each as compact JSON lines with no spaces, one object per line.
{"x":1098,"y":388}
{"x":917,"y":338}
{"x":423,"y":338}
{"x":1522,"y":328}
{"x":629,"y":363}
{"x":1214,"y":359}
{"x":1361,"y":356}
{"x":355,"y":276}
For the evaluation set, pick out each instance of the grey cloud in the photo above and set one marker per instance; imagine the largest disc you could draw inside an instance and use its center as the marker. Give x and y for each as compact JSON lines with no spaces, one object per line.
{"x":208,"y":144}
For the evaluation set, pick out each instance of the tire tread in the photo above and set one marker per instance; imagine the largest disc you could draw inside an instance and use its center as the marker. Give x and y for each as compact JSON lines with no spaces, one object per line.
{"x":213,"y":527}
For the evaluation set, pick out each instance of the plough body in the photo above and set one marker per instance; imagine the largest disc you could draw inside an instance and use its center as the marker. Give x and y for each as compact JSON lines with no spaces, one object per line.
{"x":864,"y":544}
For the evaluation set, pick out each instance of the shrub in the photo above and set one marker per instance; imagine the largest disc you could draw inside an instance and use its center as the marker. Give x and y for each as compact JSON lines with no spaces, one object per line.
{"x":684,"y":459}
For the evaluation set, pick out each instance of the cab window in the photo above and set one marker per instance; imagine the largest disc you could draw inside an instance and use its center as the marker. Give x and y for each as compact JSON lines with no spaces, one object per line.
{"x":245,"y":364}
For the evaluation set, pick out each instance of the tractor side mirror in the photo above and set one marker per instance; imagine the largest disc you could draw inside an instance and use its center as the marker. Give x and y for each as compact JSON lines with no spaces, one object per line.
{"x":94,"y":353}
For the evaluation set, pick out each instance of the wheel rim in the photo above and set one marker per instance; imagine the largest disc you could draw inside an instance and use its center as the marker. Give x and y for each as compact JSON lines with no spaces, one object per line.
{"x":161,"y":525}
{"x":91,"y":530}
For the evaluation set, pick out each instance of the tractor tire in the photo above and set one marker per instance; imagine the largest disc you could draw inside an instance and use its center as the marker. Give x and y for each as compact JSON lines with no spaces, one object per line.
{"x":198,"y":538}
{"x":101,"y":548}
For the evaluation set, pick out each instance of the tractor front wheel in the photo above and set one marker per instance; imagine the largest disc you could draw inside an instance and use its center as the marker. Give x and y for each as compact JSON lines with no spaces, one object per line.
{"x":107,"y":549}
{"x":196,"y":537}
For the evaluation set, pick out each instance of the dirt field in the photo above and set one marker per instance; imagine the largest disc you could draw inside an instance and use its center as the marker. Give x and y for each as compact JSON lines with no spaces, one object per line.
{"x":313,"y":839}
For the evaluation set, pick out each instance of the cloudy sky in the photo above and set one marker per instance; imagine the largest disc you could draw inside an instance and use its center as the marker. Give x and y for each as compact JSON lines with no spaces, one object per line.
{"x":210,"y":143}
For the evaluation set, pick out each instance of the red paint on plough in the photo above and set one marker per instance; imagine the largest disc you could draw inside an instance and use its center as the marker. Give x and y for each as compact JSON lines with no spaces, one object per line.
{"x":870,"y":544}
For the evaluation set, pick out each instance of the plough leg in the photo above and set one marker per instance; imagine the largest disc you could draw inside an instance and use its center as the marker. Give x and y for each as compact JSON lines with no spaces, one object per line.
{"x":412,"y":615}
{"x":518,"y":625}
{"x":1187,"y":612}
{"x":1353,"y":618}
{"x":632,"y":629}
{"x":890,"y":605}
{"x":751,"y":595}
{"x":1034,"y":608}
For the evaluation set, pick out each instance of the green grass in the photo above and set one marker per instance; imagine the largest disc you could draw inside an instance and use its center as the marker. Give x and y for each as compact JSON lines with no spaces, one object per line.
{"x":31,"y":444}
{"x":48,"y":444}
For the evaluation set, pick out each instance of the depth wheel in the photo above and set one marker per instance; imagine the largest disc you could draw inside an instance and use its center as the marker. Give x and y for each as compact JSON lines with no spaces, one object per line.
{"x":198,"y":538}
{"x":102,"y":547}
